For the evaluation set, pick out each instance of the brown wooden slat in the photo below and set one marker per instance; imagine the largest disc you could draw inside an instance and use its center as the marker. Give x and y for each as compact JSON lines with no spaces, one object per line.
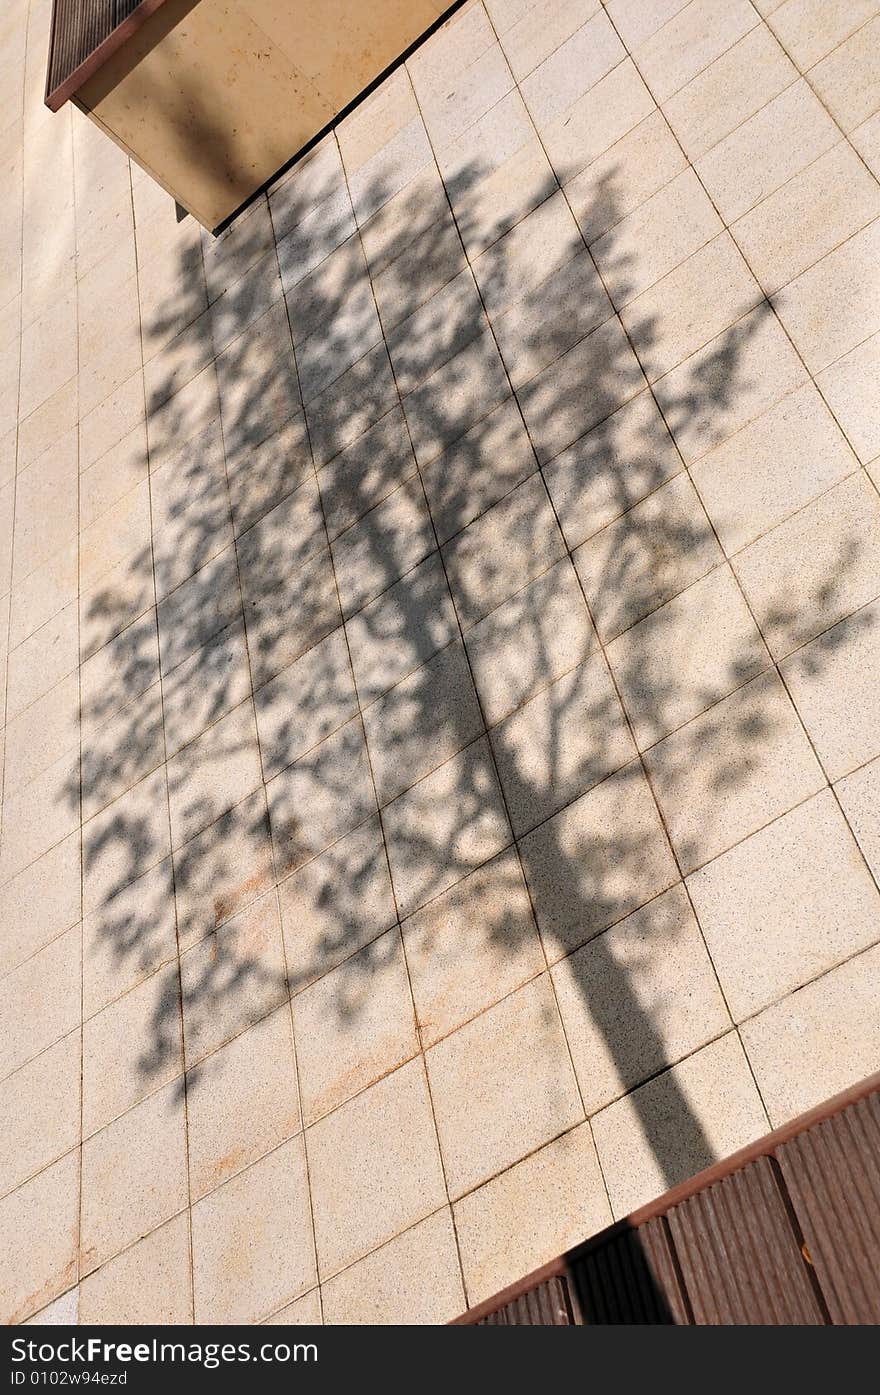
{"x":630,"y":1276}
{"x":545,"y":1305}
{"x":83,"y":34}
{"x":832,"y":1174}
{"x":739,"y":1255}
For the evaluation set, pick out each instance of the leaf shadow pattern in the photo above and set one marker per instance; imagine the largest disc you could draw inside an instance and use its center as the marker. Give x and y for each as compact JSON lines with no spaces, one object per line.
{"x":395,"y":539}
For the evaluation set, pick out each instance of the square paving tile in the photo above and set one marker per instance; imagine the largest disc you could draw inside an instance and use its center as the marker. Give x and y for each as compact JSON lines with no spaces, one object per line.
{"x":205,"y":686}
{"x":41,"y":1112}
{"x":618,"y":175}
{"x":401,"y":629}
{"x":336,"y":904}
{"x":232,"y":979}
{"x":222,"y":869}
{"x":127,"y":838}
{"x":596,"y":861}
{"x":560,"y":743}
{"x":387,"y":1131}
{"x":150,"y":1283}
{"x":321,"y":797}
{"x":128,"y":937}
{"x":531,"y":1213}
{"x":252,"y":1240}
{"x":133,"y":1176}
{"x":384,"y":545}
{"x":471,"y":946}
{"x":40,"y":1220}
{"x":444,"y":827}
{"x":478,"y":470}
{"x":285,"y":612}
{"x":542,"y":632}
{"x":846,"y":79}
{"x":686,"y":656}
{"x":366,"y":472}
{"x":538,"y":328}
{"x":638,"y":998}
{"x":835,"y":682}
{"x":832,"y":1023}
{"x":40,"y":1000}
{"x":214,"y":773}
{"x":354,"y":1025}
{"x":131,"y":1048}
{"x":785,"y":905}
{"x":732,"y":770}
{"x":502,"y":1085}
{"x":242,"y":1102}
{"x":422,"y":722}
{"x":454,"y":398}
{"x":304,"y":703}
{"x":833,"y":306}
{"x":415,"y":1278}
{"x":40,"y":902}
{"x":697,"y":1113}
{"x":859,"y":795}
{"x":848,"y":387}
{"x":689,"y":41}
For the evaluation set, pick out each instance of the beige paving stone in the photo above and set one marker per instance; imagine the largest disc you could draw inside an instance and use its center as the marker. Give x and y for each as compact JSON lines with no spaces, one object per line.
{"x":285,"y":612}
{"x":517,"y":263}
{"x":731,"y":89}
{"x":41,"y":1105}
{"x":401,"y":629}
{"x":848,"y":80}
{"x":387,"y":1131}
{"x":294,"y":527}
{"x":133,"y":1176}
{"x":42,"y":734}
{"x":478,"y":470}
{"x":582,"y":388}
{"x":252,"y":1240}
{"x":859,"y":795}
{"x":205,"y":687}
{"x":45,"y":591}
{"x":354,"y":1025}
{"x":444,"y":827}
{"x":834,"y":305}
{"x":501,"y":1086}
{"x":214,"y":773}
{"x":366,"y":472}
{"x":818,"y":1041}
{"x":572,"y":69}
{"x":222,"y":869}
{"x":704,"y":296}
{"x":48,"y":354}
{"x":689,"y":41}
{"x":816,"y":568}
{"x":732,"y":770}
{"x":114,"y":535}
{"x":131,"y":1048}
{"x":123,"y":595}
{"x":597,"y":122}
{"x":415,"y":1278}
{"x":120,"y":749}
{"x":808,"y":217}
{"x":305,"y":1311}
{"x":335,"y":904}
{"x":468,"y":387}
{"x":419,"y":271}
{"x":810,"y":30}
{"x":40,"y":815}
{"x":149,"y":1283}
{"x":40,"y":1001}
{"x":63,"y":1312}
{"x":321,"y":797}
{"x":270,"y":472}
{"x":40,"y":902}
{"x":848,"y":388}
{"x":561,"y":743}
{"x":410,"y":213}
{"x":242,"y":1101}
{"x":729,"y":382}
{"x":772,"y":467}
{"x":125,"y":840}
{"x":422,"y":722}
{"x":567,"y":305}
{"x":596,"y":861}
{"x":760,"y":155}
{"x":45,"y":506}
{"x":384,"y":545}
{"x":542,"y":632}
{"x":128,"y":937}
{"x":232,"y":979}
{"x":654,"y":239}
{"x":470,"y":947}
{"x":40,"y":1220}
{"x":866,"y":139}
{"x":49,"y":422}
{"x":835,"y":682}
{"x":686,"y":656}
{"x":785,"y":905}
{"x":638,"y":998}
{"x":528,"y":34}
{"x":531,"y":1213}
{"x":700,"y":1111}
{"x":304,"y":703}
{"x":111,"y":477}
{"x":647,"y":556}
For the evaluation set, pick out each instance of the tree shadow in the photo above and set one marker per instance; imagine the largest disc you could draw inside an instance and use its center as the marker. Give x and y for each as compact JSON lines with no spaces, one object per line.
{"x":462,"y":727}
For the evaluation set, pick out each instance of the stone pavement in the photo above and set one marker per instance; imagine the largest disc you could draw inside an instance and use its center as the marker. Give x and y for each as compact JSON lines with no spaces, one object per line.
{"x":441,"y":802}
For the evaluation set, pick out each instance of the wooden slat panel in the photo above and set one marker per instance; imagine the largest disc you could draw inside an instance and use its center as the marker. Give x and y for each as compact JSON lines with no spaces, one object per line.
{"x":630,"y":1277}
{"x":739,"y":1255}
{"x":832,"y":1173}
{"x":79,"y":27}
{"x":546,"y":1305}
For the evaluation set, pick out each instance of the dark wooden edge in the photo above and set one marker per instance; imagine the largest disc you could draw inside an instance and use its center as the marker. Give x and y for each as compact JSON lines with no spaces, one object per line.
{"x":761,"y":1148}
{"x":56,"y":98}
